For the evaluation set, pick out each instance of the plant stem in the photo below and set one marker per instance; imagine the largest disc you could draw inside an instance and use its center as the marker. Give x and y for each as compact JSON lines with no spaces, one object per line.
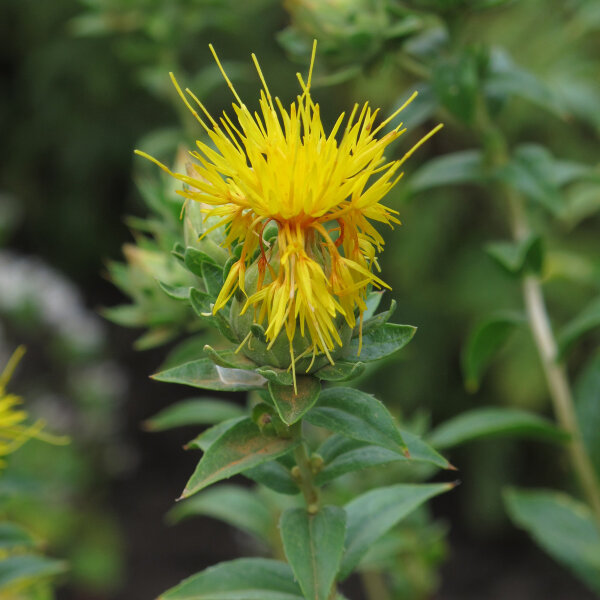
{"x":305,"y":475}
{"x":539,"y":322}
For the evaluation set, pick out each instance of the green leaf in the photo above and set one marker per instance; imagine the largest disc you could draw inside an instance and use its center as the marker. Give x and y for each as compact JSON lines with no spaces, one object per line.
{"x":21,"y":569}
{"x":201,"y":303}
{"x":358,"y":416}
{"x":126,"y":315}
{"x":373,"y":300}
{"x":241,"y":447}
{"x":484,"y":342}
{"x":194,"y":259}
{"x":229,"y":359}
{"x":530,"y":171}
{"x":209,"y":436}
{"x":242,"y":579}
{"x":376,"y":321}
{"x":235,"y":505}
{"x":517,"y":258}
{"x":379,"y":343}
{"x":201,"y":411}
{"x":205,"y":374}
{"x":508,"y":79}
{"x":343,"y":455}
{"x":374,"y":513}
{"x":290,"y":405}
{"x":177,"y":293}
{"x":563,"y":527}
{"x":13,"y":536}
{"x":275,"y":375}
{"x":587,"y":401}
{"x":213,"y":278}
{"x":314,"y":545}
{"x":494,"y":422}
{"x":456,"y":168}
{"x":274,"y":475}
{"x":340,"y":371}
{"x":586,"y":320}
{"x":455,"y":83}
{"x":421,"y":451}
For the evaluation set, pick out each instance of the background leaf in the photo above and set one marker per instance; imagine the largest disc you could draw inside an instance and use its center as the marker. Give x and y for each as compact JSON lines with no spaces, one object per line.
{"x":562,"y":526}
{"x":483,"y":344}
{"x":195,"y":411}
{"x":493,"y":422}
{"x":587,"y":401}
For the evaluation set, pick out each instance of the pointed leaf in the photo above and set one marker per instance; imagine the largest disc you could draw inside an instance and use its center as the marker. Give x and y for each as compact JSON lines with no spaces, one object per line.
{"x":196,"y":411}
{"x":290,"y":405}
{"x":229,"y":359}
{"x":13,"y":536}
{"x":242,"y":579}
{"x":314,"y":545}
{"x":274,"y":475}
{"x":201,"y":303}
{"x":275,"y":375}
{"x":456,"y":168}
{"x":235,"y":505}
{"x":379,"y":343}
{"x":203,"y":373}
{"x":356,"y":415}
{"x":209,"y":436}
{"x":585,"y":321}
{"x":20,"y":569}
{"x":517,"y":258}
{"x":419,"y":450}
{"x":484,"y":342}
{"x":587,"y":399}
{"x":376,"y":321}
{"x":194,"y":259}
{"x":374,"y":513}
{"x":213,"y":278}
{"x":177,"y":293}
{"x":340,"y":371}
{"x":342,"y":455}
{"x":494,"y":422}
{"x":563,"y":527}
{"x":241,"y":447}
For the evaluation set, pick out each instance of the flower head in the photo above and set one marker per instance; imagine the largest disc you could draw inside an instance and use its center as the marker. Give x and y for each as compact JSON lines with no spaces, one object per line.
{"x":322,"y":190}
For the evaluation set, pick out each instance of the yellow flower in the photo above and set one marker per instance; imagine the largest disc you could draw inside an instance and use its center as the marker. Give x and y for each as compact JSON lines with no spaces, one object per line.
{"x":323,"y":190}
{"x":13,"y":430}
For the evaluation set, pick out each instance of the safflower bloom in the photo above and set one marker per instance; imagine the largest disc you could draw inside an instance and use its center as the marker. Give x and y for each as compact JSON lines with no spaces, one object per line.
{"x":323,"y":193}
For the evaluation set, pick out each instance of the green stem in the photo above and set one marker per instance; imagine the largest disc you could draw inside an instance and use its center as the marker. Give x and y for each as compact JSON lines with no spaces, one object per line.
{"x":539,"y":322}
{"x":305,"y":476}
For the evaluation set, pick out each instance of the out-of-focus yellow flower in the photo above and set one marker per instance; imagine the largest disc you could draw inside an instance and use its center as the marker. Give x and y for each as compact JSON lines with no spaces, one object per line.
{"x":321,"y":189}
{"x":13,"y":430}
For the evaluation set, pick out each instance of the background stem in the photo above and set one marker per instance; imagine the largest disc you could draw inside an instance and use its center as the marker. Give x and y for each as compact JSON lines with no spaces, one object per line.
{"x":539,"y":322}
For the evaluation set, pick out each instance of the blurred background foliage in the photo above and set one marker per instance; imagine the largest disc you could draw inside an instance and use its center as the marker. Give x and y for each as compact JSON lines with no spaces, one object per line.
{"x":84,"y":82}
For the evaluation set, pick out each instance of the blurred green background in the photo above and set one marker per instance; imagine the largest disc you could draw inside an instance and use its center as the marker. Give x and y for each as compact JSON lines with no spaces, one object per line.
{"x":85,"y":82}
